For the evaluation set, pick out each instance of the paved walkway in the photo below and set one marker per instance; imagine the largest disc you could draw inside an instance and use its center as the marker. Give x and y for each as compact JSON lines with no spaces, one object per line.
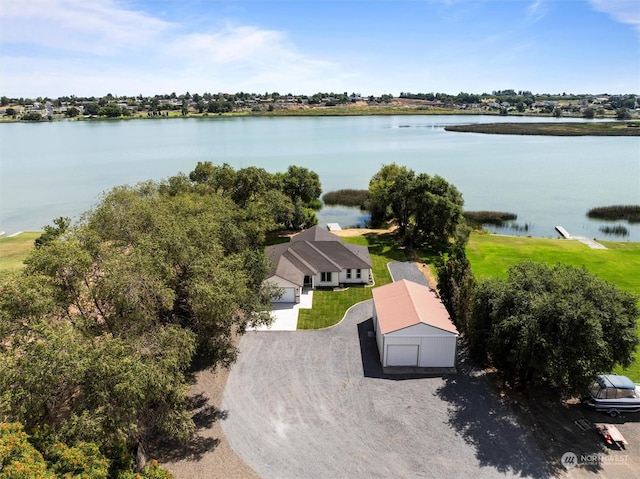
{"x":286,"y":314}
{"x":583,"y":239}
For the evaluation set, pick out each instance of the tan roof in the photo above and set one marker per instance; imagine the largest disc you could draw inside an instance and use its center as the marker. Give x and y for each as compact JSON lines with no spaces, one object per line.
{"x":404,"y":303}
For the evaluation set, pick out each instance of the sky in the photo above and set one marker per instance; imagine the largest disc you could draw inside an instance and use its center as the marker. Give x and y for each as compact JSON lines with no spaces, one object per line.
{"x":53,"y":48}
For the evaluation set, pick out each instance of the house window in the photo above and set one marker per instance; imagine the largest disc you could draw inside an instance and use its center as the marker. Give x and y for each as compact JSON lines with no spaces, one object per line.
{"x":325,"y":277}
{"x":358,"y":274}
{"x":348,"y":274}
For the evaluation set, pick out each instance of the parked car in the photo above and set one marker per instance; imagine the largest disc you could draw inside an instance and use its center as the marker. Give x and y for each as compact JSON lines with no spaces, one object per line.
{"x":614,"y":394}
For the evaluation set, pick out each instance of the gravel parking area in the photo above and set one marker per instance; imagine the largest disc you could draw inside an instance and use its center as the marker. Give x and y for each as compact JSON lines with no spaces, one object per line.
{"x":315,"y":404}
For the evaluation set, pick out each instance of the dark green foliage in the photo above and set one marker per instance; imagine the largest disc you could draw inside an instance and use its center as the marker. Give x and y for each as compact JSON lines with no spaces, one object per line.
{"x":427,"y":210}
{"x":623,"y":114}
{"x":62,"y":224}
{"x":33,"y":116}
{"x":110,"y":111}
{"x":456,"y":286}
{"x":476,"y":219}
{"x":91,"y":108}
{"x":72,"y":112}
{"x":558,"y":324}
{"x":630,"y":213}
{"x":98,"y":332}
{"x":346,"y":197}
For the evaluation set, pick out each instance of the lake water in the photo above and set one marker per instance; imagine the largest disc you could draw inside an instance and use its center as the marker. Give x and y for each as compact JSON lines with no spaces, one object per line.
{"x":61,"y":168}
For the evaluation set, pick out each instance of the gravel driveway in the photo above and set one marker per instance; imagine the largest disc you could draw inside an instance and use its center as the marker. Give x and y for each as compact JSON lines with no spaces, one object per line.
{"x":315,"y":404}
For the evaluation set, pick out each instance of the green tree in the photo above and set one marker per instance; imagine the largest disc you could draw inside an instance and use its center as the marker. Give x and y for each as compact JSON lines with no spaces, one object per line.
{"x":32,"y":116}
{"x":557,"y":324}
{"x":110,"y":111}
{"x":402,"y":199}
{"x":72,"y":112}
{"x":379,"y":204}
{"x":98,"y":331}
{"x":61,"y":223}
{"x":438,"y":219}
{"x":456,"y":286}
{"x":622,"y":114}
{"x":427,"y":210}
{"x":589,"y":113}
{"x":91,"y":109}
{"x":301,"y":183}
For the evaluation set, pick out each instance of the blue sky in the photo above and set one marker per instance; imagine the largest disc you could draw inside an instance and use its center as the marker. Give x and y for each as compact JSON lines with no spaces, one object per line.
{"x":128,"y":47}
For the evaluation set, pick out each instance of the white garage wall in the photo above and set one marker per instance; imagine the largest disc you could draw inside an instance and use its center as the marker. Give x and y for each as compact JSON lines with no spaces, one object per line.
{"x":435,"y":351}
{"x":438,"y":352}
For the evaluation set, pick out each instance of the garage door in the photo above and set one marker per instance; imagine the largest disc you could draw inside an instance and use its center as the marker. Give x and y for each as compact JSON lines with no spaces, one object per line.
{"x":402,"y":355}
{"x":288,"y":296}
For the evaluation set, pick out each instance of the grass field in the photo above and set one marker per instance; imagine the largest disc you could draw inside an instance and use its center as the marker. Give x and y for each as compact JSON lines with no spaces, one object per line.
{"x":492,"y":255}
{"x":14,"y":250}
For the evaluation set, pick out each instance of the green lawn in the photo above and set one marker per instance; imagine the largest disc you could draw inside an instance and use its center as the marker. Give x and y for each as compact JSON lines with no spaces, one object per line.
{"x":14,"y":250}
{"x":491,"y":256}
{"x":329,"y":307}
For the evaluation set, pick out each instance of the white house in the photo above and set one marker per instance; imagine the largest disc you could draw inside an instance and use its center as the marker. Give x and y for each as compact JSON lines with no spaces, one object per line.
{"x":317,"y":258}
{"x":413,"y":328}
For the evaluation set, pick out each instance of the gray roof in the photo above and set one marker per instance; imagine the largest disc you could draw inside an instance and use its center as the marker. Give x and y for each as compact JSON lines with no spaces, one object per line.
{"x":312,"y":251}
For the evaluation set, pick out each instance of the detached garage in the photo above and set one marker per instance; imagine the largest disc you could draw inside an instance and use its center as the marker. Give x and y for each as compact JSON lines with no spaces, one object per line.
{"x":413,"y":328}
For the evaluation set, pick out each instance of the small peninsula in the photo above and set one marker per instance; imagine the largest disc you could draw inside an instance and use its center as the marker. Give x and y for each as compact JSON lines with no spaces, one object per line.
{"x":600,"y":128}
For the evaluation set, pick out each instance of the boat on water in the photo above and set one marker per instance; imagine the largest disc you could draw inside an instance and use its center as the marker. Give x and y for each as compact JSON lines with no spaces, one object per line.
{"x":614,"y":394}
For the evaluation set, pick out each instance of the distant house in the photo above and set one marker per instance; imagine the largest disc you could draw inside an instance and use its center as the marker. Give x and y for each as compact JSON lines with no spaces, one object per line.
{"x":412,"y":326}
{"x":317,"y":258}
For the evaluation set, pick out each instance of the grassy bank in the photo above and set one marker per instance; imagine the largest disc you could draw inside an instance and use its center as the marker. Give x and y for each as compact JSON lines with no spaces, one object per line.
{"x":587,"y":128}
{"x":14,"y":250}
{"x":492,"y":255}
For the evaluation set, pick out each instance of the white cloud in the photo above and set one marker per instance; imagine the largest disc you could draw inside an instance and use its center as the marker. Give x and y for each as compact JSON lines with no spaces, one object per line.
{"x":622,"y":11}
{"x":97,"y":27}
{"x":91,"y":48}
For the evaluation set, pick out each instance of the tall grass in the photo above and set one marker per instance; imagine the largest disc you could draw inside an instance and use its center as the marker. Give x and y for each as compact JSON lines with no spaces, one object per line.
{"x":346,"y":197}
{"x":476,"y":219}
{"x":630,"y":213}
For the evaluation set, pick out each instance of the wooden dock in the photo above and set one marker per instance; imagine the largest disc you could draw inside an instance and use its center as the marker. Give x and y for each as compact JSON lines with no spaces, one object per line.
{"x":565,"y":234}
{"x":583,"y":239}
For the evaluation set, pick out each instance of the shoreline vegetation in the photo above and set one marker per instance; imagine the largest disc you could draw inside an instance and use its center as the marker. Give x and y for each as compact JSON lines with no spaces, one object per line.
{"x":630,"y":213}
{"x":346,"y":197}
{"x":600,"y":128}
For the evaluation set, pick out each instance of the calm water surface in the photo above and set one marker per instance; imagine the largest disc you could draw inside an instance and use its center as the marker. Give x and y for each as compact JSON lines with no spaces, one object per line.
{"x":60,"y":169}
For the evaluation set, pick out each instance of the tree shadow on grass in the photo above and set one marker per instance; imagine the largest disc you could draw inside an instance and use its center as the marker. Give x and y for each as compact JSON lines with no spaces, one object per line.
{"x":204,"y":415}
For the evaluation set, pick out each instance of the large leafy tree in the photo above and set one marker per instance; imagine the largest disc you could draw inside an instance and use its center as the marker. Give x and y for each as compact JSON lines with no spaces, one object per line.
{"x":427,"y":210}
{"x":556,"y":324}
{"x":98,"y":332}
